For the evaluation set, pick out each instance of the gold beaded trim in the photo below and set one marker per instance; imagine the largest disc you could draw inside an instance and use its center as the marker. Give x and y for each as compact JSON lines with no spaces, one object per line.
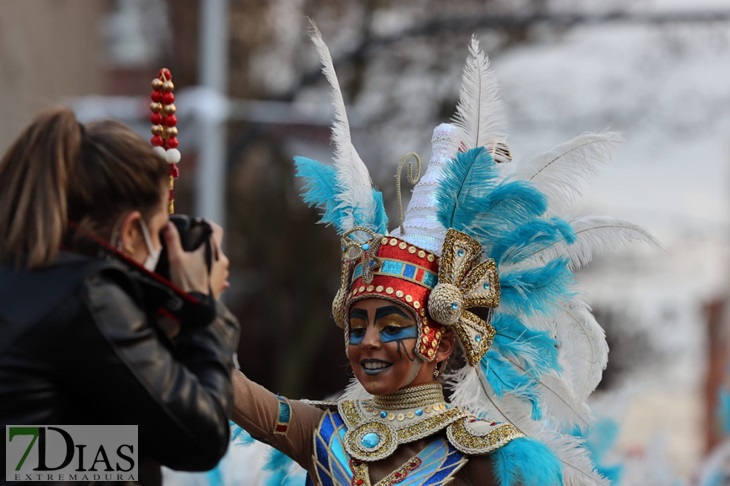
{"x":404,"y":432}
{"x":401,"y":473}
{"x":467,"y":441}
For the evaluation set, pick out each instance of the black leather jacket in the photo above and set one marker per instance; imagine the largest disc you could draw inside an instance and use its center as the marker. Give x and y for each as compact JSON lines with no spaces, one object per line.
{"x":79,"y":344}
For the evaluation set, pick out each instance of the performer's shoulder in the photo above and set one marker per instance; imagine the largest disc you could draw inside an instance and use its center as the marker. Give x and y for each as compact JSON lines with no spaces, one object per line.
{"x":476,"y":437}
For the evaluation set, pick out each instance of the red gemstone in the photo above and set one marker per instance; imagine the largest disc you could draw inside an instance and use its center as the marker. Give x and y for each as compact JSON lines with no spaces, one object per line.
{"x":359,"y":481}
{"x":172,"y":142}
{"x":164,"y":73}
{"x":397,"y":474}
{"x":156,"y":119}
{"x":174,"y":171}
{"x":168,"y":98}
{"x":170,"y":121}
{"x":156,"y":141}
{"x":172,"y":195}
{"x":156,"y":96}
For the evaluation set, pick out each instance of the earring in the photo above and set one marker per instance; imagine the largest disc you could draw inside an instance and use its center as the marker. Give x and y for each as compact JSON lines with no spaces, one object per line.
{"x":437,"y":371}
{"x":128,"y":250}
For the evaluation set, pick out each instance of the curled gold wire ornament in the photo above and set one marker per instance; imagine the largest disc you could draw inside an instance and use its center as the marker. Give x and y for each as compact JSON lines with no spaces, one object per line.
{"x":411,"y":178}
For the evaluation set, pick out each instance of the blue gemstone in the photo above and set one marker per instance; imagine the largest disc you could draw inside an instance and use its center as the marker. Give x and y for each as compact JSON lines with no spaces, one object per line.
{"x":460,"y":252}
{"x":344,"y":248}
{"x":370,"y":440}
{"x":383,"y":414}
{"x":448,"y":407}
{"x":366,"y":247}
{"x":478,"y":337}
{"x":486,"y":285}
{"x":454,"y":305}
{"x":419,"y":412}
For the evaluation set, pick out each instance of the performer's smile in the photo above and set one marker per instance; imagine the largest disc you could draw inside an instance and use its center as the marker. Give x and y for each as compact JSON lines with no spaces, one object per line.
{"x":375,"y":366}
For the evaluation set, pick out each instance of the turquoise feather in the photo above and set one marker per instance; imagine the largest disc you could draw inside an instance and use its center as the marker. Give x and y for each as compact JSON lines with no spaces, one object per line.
{"x":526,"y":462}
{"x":515,"y":341}
{"x":535,"y":290}
{"x":470,"y":177}
{"x":505,"y":378}
{"x":530,"y":238}
{"x":321,"y":191}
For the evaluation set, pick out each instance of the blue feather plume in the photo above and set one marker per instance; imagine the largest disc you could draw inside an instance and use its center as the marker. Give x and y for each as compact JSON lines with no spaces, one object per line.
{"x":278,"y":463}
{"x":321,"y":190}
{"x":526,"y":462}
{"x":535,"y":289}
{"x":472,"y":174}
{"x":598,"y":440}
{"x":535,"y":350}
{"x":530,"y":238}
{"x":380,"y":224}
{"x":504,"y":209}
{"x":505,"y":378}
{"x":239,"y":436}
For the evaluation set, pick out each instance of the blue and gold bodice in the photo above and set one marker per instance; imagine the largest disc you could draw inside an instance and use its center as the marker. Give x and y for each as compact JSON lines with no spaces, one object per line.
{"x":354,"y":434}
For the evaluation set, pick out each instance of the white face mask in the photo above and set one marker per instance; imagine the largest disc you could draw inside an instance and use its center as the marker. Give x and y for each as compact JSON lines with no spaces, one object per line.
{"x":154,"y":255}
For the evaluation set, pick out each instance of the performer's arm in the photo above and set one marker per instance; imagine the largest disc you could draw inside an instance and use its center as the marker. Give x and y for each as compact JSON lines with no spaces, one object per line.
{"x":264,"y":415}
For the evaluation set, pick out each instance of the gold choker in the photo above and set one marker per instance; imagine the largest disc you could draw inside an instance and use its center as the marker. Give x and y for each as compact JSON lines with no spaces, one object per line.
{"x":410,"y":397}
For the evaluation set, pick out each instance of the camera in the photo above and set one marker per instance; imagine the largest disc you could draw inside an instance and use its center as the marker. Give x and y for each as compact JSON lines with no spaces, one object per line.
{"x":194,"y":231}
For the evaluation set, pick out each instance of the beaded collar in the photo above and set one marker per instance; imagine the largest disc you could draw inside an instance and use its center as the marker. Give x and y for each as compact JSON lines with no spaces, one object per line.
{"x":376,"y":427}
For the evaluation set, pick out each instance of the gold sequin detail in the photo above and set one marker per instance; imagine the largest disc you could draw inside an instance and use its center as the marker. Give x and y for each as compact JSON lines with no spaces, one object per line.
{"x":391,"y":416}
{"x":400,"y":417}
{"x":417,"y":305}
{"x":409,"y":298}
{"x":370,"y":288}
{"x":421,"y":253}
{"x":379,"y":288}
{"x":411,"y":249}
{"x":430,"y":257}
{"x":361,"y":289}
{"x":384,"y":241}
{"x":389,"y":290}
{"x":426,"y":330}
{"x":399,"y":293}
{"x":402,"y":245}
{"x":410,"y":415}
{"x":393,"y":242}
{"x":470,"y":443}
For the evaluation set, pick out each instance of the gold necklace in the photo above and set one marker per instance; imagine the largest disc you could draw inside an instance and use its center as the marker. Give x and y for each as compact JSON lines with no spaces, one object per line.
{"x":410,"y":397}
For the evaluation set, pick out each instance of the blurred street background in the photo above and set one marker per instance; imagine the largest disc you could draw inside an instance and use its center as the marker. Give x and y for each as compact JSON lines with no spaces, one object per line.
{"x":250,"y":96}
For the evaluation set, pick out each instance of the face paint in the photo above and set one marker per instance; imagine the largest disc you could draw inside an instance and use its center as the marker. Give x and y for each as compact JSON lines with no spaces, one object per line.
{"x":392,"y":324}
{"x":382,"y":340}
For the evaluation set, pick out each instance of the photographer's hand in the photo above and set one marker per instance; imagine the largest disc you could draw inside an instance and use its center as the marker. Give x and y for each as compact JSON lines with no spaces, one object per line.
{"x":187,"y":269}
{"x":219,"y":269}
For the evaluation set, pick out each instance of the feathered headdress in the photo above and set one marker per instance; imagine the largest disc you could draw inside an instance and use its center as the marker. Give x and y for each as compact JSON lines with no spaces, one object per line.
{"x":532,"y":350}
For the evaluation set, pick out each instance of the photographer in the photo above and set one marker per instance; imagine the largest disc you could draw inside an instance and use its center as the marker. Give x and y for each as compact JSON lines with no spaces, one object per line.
{"x":83,"y":219}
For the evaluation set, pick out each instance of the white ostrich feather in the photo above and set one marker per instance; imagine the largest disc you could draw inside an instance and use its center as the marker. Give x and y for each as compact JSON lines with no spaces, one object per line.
{"x":583,"y":350}
{"x":578,"y":468}
{"x":596,"y":235}
{"x":479,"y":114}
{"x":354,"y":391}
{"x":353,"y":178}
{"x":561,"y":173}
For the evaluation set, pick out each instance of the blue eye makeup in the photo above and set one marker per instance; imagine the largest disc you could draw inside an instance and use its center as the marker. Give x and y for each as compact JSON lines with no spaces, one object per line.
{"x":357,"y":335}
{"x":392,"y":323}
{"x":394,"y":333}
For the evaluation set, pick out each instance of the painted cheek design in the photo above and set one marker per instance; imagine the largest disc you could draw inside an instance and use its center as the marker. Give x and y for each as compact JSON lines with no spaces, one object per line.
{"x":390,"y":334}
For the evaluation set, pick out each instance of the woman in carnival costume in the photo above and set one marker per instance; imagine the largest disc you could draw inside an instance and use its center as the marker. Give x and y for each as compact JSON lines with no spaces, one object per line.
{"x":468,"y":370}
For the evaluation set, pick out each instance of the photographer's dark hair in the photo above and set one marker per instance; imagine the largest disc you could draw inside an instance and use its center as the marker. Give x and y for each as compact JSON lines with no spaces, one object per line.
{"x":59,"y":171}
